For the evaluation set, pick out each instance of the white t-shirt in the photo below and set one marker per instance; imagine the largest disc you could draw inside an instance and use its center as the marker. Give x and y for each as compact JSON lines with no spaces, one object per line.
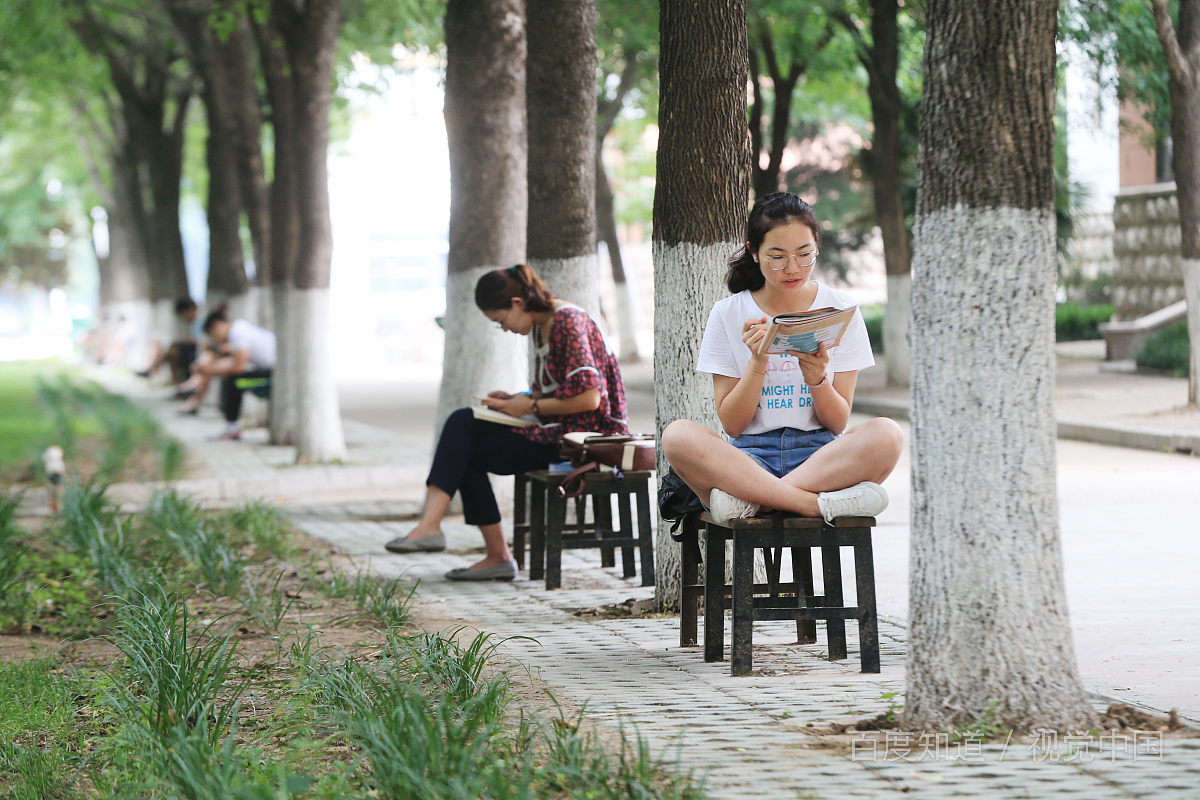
{"x":786,"y":401}
{"x":260,"y":342}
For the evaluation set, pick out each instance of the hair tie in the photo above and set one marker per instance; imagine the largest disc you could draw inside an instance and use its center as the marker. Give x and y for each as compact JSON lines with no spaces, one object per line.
{"x":513,"y":268}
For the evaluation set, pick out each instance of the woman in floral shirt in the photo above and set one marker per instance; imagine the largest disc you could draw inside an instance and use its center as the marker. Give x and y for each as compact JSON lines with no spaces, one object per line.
{"x":576,"y":387}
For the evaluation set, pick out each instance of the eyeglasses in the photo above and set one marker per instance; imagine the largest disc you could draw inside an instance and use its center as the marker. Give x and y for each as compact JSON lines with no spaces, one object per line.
{"x":803,"y":260}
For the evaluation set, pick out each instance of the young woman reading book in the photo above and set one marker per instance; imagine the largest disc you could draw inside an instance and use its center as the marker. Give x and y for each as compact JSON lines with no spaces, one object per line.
{"x":785,"y":414}
{"x":576,"y":387}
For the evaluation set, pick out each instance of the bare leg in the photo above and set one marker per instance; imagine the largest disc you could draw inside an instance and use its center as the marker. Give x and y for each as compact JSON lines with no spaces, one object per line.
{"x":193,"y":403}
{"x":436,"y":504}
{"x":497,"y":548}
{"x":705,"y":460}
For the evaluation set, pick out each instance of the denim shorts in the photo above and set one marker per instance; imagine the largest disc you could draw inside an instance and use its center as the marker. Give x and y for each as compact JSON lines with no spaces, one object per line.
{"x":782,"y":450}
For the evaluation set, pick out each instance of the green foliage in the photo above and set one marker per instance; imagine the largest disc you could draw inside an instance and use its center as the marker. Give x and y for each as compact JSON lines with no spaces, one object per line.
{"x":25,"y":427}
{"x":873,"y":317}
{"x":387,"y":602}
{"x":1118,"y":37}
{"x":1073,"y":321}
{"x":1167,"y":350}
{"x":178,"y":673}
{"x":35,"y":725}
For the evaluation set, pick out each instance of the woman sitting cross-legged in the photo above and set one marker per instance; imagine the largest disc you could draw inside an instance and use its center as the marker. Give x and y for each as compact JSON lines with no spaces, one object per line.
{"x":576,"y":387}
{"x":785,"y":414}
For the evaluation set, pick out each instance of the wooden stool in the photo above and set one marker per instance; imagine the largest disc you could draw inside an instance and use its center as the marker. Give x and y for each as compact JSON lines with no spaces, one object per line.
{"x":753,"y":602}
{"x":550,"y":533}
{"x":520,"y":528}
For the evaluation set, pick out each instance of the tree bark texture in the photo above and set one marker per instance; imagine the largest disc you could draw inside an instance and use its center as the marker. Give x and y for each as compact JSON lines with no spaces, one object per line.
{"x":1181,"y":46}
{"x":989,"y":629}
{"x":700,"y":206}
{"x":227,"y":280}
{"x":560,"y":104}
{"x":485,"y":129}
{"x":309,"y":35}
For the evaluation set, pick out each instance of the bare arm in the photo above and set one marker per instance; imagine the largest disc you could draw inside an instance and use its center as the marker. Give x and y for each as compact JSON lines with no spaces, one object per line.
{"x":521,"y":404}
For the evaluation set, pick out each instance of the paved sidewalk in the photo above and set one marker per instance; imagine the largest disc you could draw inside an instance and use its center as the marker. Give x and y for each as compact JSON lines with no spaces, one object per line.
{"x":748,"y":735}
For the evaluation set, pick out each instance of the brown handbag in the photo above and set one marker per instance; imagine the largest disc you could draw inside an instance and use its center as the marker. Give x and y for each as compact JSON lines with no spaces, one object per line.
{"x":590,"y":452}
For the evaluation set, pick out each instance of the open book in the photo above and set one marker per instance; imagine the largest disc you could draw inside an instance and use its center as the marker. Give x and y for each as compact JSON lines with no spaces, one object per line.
{"x":491,"y":415}
{"x":806,"y":330}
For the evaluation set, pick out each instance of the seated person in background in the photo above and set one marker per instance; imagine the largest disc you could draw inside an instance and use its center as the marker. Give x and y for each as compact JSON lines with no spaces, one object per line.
{"x":795,"y":455}
{"x":576,"y":387}
{"x":183,"y":351}
{"x":247,"y":363}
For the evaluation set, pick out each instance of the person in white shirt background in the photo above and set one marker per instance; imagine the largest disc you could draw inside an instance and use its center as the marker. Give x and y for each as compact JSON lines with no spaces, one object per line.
{"x":786,"y":415}
{"x":247,"y":366}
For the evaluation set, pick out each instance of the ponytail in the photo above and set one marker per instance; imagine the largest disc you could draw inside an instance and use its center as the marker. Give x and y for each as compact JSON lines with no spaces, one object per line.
{"x":496,"y":289}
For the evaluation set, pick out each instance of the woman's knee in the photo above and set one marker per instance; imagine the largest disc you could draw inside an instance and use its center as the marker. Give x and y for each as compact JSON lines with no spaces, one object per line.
{"x":887,"y":438}
{"x":677,"y":437}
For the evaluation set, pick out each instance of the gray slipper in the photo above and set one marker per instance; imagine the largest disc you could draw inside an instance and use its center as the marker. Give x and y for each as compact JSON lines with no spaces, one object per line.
{"x":498,"y":572}
{"x":428,"y":544}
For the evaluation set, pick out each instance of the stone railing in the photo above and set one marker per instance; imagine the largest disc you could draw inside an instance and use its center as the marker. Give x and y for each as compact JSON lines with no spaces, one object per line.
{"x":1147,"y":274}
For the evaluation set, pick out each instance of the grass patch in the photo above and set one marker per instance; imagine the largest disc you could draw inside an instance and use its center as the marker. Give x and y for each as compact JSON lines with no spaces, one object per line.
{"x":104,"y":436}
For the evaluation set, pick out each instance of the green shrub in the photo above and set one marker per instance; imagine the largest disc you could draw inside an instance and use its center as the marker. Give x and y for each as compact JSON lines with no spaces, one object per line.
{"x":1167,"y":350}
{"x":1073,"y":322}
{"x":873,"y":316}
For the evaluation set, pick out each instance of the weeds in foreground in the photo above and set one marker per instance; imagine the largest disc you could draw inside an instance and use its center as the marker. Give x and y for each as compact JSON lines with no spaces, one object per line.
{"x":386,"y":602}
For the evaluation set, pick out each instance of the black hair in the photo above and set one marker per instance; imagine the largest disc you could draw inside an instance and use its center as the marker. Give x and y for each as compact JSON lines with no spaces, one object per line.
{"x":496,"y":289}
{"x":184,"y":304}
{"x":767,"y":214}
{"x":220,"y":315}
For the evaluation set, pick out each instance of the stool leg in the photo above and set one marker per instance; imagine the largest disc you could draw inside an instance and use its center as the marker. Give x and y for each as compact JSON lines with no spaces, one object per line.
{"x":625,"y":510}
{"x":556,"y":518}
{"x":537,"y":529}
{"x":714,"y":594}
{"x":646,"y":535}
{"x":689,"y":567}
{"x":831,"y":566}
{"x":520,"y":520}
{"x":802,"y":579}
{"x":742,"y":651}
{"x":868,"y":620}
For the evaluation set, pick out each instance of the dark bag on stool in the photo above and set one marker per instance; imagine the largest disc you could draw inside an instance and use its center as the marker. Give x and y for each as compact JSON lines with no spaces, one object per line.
{"x":589,"y":452}
{"x":675,"y":501}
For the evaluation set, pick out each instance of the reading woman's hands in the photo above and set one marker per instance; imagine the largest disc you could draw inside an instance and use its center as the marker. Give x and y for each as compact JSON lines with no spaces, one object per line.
{"x":754,"y":331}
{"x":813,"y":365}
{"x":517,"y":405}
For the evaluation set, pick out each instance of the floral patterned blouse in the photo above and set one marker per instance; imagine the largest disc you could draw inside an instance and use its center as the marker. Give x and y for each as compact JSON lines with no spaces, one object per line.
{"x":574,"y":360}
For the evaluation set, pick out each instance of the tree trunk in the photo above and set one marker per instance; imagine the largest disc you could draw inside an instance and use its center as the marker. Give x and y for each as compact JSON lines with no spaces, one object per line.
{"x":1181,"y":45}
{"x":700,"y":206}
{"x":561,"y":106}
{"x":606,"y":227}
{"x":989,"y":632}
{"x":881,"y":57}
{"x":310,"y":37}
{"x":485,"y":129}
{"x":606,"y":222}
{"x":285,"y":229}
{"x":227,"y":281}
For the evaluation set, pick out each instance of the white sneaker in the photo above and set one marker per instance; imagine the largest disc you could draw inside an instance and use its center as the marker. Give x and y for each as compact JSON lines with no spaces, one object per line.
{"x":723,"y":505}
{"x":864,"y":499}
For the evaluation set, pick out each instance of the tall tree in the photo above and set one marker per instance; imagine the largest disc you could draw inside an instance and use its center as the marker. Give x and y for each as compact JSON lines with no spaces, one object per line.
{"x":1181,"y":46}
{"x":300,"y":45}
{"x":989,"y":628}
{"x":700,"y":206}
{"x":801,"y":43}
{"x":627,"y":40}
{"x":210,"y":56}
{"x":880,"y":57}
{"x":561,"y":106}
{"x":144,"y":136}
{"x":485,"y":129}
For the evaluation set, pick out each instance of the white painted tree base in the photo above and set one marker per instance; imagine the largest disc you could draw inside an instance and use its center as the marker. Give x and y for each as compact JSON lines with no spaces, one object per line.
{"x":688,"y":281}
{"x":1191,"y":287}
{"x":319,"y":435}
{"x":574,"y":279}
{"x":285,"y":385}
{"x":988,"y":611}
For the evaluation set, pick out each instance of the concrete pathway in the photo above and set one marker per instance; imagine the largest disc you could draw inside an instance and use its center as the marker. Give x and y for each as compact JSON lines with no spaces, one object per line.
{"x":748,"y":735}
